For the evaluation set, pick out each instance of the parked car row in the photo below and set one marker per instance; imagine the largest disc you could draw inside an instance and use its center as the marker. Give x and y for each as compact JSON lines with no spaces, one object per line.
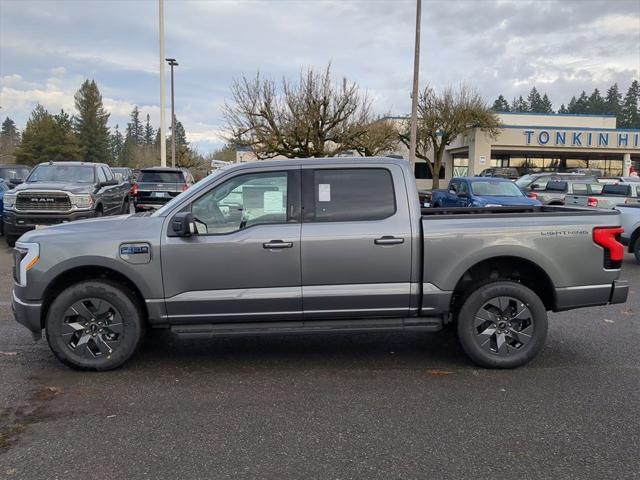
{"x":492,"y":188}
{"x":60,"y":192}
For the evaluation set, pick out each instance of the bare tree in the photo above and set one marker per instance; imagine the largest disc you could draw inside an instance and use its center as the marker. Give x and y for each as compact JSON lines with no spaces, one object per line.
{"x":315,"y":117}
{"x":443,"y":117}
{"x":378,"y":137}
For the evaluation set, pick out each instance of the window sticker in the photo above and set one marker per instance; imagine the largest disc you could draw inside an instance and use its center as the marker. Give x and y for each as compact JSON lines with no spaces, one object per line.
{"x":324,"y":192}
{"x":273,"y":202}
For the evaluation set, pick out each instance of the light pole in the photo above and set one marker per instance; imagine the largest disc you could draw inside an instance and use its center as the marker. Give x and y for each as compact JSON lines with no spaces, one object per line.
{"x":163,"y":127}
{"x":173,"y":63}
{"x":414,"y":96}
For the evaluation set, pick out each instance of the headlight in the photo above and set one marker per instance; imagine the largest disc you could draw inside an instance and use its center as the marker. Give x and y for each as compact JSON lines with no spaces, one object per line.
{"x":25,"y":257}
{"x":9,"y":200}
{"x":81,"y":201}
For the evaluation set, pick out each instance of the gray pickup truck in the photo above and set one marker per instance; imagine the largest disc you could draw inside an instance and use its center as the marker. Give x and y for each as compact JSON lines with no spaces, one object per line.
{"x":316,"y":245}
{"x":609,"y":196}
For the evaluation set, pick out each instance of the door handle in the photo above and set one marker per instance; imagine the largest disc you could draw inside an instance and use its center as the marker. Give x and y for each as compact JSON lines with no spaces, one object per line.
{"x":388,"y":240}
{"x":277,"y":244}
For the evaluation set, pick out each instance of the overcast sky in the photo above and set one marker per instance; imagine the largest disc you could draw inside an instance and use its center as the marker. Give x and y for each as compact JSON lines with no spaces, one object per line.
{"x":47,"y":48}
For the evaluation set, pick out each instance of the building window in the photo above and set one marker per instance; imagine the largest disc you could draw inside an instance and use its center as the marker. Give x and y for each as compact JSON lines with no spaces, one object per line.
{"x":460,"y":166}
{"x":422,"y":171}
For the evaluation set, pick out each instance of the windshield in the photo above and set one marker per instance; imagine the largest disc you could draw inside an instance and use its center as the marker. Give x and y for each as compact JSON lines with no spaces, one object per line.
{"x":157,"y":176}
{"x":196,"y":186}
{"x":495,"y":189}
{"x":62,"y":173}
{"x":10,"y":173}
{"x":525,"y":181}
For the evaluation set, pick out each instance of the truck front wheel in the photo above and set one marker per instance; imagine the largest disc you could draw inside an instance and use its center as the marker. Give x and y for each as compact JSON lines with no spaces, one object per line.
{"x":94,"y":325}
{"x":502,"y":324}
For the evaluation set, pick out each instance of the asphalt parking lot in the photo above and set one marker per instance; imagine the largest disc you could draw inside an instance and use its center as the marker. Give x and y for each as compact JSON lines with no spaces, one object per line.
{"x":363,"y":406}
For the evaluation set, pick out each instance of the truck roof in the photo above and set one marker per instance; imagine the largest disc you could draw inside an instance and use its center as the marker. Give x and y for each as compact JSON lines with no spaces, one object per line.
{"x":321,"y":160}
{"x":72,"y":163}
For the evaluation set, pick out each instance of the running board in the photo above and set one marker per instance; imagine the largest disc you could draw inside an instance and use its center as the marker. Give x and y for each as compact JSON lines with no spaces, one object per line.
{"x":425,"y":324}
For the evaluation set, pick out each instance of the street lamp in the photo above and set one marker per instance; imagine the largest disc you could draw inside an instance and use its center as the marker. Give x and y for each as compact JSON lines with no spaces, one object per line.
{"x":172,"y":63}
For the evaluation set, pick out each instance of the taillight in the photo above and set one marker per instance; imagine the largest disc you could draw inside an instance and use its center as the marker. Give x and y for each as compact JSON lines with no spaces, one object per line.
{"x":608,"y":238}
{"x":184,"y":186}
{"x":134,"y":189}
{"x":592,"y":202}
{"x":533,"y":195}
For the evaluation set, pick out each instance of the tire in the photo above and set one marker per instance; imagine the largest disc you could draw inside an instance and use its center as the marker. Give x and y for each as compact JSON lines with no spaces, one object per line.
{"x":86,"y":341}
{"x":636,"y":250}
{"x":99,"y":211}
{"x":11,"y":240}
{"x":511,"y":309}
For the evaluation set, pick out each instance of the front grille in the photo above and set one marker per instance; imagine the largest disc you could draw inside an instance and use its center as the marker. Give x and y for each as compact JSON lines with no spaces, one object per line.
{"x":43,"y":201}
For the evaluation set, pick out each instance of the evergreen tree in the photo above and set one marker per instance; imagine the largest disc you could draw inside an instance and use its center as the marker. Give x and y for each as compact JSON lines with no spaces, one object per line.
{"x":135,"y":131}
{"x":519,"y":105}
{"x":534,"y":100}
{"x":117,"y":142}
{"x":500,"y":105}
{"x":545,"y":105}
{"x":90,"y":124}
{"x":613,"y":102}
{"x":630,"y":112}
{"x":148,"y":132}
{"x":9,"y":138}
{"x":596,"y":105}
{"x":571,"y":108}
{"x":563,"y":109}
{"x":582,"y":104}
{"x":48,"y":137}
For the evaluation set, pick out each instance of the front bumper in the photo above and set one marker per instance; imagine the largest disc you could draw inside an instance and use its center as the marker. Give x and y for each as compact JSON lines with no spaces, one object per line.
{"x":16,"y":223}
{"x":27,"y":314}
{"x":568,"y":298}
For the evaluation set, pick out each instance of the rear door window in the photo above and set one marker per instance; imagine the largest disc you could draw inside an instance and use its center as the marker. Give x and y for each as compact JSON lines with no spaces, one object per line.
{"x":348,"y":195}
{"x":622,"y":190}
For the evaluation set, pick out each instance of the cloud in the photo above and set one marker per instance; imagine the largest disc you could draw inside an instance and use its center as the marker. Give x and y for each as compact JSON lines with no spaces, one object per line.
{"x":500,"y":47}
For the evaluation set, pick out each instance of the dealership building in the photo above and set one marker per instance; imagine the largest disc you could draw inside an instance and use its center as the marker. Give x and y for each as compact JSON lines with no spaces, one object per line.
{"x":534,"y":142}
{"x":531,"y":142}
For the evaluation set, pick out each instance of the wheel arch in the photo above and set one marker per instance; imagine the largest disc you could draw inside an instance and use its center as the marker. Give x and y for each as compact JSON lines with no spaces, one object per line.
{"x":89,"y":272}
{"x":506,"y":267}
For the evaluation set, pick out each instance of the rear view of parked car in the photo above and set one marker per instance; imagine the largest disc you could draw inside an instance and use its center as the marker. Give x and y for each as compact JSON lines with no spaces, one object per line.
{"x":610,"y":196}
{"x":500,"y":172}
{"x":555,"y":192}
{"x":156,"y":186}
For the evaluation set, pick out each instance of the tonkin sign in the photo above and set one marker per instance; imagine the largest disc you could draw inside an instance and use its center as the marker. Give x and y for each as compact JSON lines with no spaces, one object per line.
{"x":578,"y":138}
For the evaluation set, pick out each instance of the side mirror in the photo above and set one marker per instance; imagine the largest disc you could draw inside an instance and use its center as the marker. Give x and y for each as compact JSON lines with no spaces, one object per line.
{"x":463,"y":194}
{"x":109,"y":183}
{"x":535,"y":186}
{"x":182,"y":225}
{"x":119,"y":177}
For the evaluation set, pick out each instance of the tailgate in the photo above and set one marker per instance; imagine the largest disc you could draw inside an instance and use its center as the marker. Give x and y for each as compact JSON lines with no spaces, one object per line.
{"x":157,"y":193}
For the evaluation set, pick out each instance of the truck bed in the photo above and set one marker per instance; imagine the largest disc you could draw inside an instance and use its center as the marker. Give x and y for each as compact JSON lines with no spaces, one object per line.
{"x":517,"y":211}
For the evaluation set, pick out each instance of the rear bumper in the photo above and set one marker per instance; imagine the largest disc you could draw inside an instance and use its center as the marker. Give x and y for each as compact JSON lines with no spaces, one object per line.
{"x":27,"y":314}
{"x":568,"y":298}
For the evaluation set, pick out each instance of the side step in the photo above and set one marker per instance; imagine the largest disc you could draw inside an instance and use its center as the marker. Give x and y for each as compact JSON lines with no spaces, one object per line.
{"x":425,"y":324}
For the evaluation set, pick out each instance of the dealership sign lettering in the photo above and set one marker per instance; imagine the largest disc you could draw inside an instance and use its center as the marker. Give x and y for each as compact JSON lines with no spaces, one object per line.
{"x":582,"y":138}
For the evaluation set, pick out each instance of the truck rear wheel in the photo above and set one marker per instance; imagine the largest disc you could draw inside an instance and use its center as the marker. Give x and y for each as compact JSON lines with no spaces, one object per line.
{"x":502,"y":324}
{"x":94,"y":325}
{"x":636,"y":250}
